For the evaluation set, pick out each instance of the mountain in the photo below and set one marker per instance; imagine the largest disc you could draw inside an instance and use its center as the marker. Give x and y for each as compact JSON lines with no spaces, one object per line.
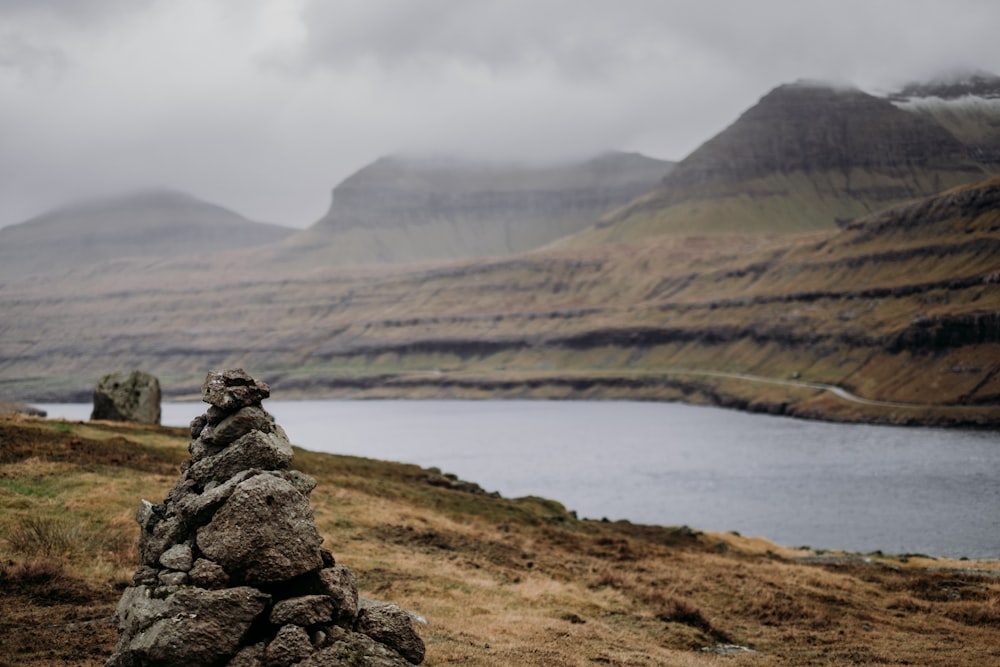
{"x":148,"y":224}
{"x":896,"y":311}
{"x":966,"y":104}
{"x":401,"y":209}
{"x":805,"y":157}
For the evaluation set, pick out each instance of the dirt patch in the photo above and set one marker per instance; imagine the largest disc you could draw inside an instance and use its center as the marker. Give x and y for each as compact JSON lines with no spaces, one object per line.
{"x":27,"y":440}
{"x":50,"y":617}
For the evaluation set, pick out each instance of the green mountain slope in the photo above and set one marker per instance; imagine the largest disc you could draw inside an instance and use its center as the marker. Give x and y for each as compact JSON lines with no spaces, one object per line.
{"x":805,"y":157}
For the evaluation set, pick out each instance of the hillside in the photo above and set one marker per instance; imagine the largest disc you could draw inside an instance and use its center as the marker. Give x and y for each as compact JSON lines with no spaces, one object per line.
{"x":501,"y":581}
{"x":401,"y":209}
{"x":898,"y":309}
{"x":154,"y":224}
{"x":967,"y":105}
{"x":805,"y":157}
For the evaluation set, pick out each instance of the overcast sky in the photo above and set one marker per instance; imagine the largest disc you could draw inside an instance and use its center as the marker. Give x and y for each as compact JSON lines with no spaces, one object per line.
{"x":263,"y":106}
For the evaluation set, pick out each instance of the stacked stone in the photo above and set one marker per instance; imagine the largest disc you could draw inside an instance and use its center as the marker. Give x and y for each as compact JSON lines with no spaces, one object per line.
{"x":232,"y":572}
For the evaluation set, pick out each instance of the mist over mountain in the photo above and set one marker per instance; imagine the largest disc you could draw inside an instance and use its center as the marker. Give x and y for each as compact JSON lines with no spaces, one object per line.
{"x":156,"y":223}
{"x":402,"y":208}
{"x":754,"y":260}
{"x":966,"y":104}
{"x":807,"y":156}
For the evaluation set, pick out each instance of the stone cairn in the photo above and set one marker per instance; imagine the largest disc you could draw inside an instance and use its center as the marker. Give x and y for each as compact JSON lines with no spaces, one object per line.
{"x":232,"y":572}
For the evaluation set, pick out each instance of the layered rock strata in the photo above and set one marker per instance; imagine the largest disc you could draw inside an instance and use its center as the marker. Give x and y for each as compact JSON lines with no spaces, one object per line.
{"x":232,"y":571}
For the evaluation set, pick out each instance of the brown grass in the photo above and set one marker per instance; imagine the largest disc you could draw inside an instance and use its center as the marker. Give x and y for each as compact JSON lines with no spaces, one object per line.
{"x":502,"y":581}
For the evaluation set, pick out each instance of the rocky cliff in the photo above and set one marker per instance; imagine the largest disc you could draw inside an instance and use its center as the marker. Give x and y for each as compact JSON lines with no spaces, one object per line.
{"x":402,"y":209}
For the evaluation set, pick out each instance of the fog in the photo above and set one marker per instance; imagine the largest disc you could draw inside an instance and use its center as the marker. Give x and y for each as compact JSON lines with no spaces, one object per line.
{"x":263,"y":106}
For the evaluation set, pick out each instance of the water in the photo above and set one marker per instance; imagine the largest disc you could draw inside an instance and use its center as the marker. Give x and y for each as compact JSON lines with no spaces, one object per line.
{"x":855,"y":487}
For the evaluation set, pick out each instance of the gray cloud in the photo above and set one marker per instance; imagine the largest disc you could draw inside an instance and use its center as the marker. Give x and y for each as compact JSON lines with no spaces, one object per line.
{"x":25,"y":59}
{"x":264,"y":105}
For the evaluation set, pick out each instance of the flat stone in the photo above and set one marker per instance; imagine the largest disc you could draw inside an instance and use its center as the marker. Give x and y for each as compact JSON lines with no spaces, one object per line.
{"x":190,"y":627}
{"x":390,"y":625}
{"x":177,"y":557}
{"x":304,"y":611}
{"x":238,"y":424}
{"x":231,"y":390}
{"x":172,"y":578}
{"x":253,"y":450}
{"x":206,"y":574}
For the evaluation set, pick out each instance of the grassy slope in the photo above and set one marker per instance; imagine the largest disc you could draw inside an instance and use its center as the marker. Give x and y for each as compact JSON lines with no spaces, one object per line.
{"x":894,"y":308}
{"x":502,"y":581}
{"x":779,"y":203}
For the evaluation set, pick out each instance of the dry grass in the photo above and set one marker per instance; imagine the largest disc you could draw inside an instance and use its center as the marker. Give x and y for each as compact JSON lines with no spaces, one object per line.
{"x":503,"y":582}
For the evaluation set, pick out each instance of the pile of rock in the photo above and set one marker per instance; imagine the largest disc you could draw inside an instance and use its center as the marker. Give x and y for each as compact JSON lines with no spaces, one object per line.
{"x":232,"y":572}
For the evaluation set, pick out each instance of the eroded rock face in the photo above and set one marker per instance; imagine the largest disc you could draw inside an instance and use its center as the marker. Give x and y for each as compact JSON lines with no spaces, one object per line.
{"x":127,"y":397}
{"x":232,"y":572}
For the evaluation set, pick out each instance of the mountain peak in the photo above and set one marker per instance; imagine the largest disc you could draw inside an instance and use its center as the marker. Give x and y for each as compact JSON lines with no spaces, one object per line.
{"x":805,"y":126}
{"x":149,"y":223}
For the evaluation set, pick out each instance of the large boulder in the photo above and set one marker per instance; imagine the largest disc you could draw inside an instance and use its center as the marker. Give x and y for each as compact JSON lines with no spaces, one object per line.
{"x":127,"y":397}
{"x":264,"y":533}
{"x":189,"y":627}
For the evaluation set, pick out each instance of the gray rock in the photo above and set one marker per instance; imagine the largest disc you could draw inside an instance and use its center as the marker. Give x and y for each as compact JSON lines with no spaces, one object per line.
{"x":146,"y":576}
{"x":206,"y":574}
{"x":253,"y":450}
{"x":340,"y":584}
{"x":191,"y":627}
{"x":198,"y":508}
{"x":177,"y":557}
{"x":231,"y":390}
{"x":145,"y":513}
{"x":171,"y":578}
{"x":304,"y":611}
{"x":302,"y":482}
{"x":241,"y":422}
{"x":289,"y":646}
{"x":263,"y":533}
{"x":159,"y":535}
{"x":249,"y":656}
{"x":390,"y":625}
{"x":349,"y":649}
{"x":197,"y":424}
{"x":127,"y":397}
{"x":203,"y":447}
{"x":365,"y":603}
{"x":138,"y":608}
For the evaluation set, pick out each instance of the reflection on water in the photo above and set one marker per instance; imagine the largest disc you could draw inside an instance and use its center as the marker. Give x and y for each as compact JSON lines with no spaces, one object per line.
{"x":862,"y":488}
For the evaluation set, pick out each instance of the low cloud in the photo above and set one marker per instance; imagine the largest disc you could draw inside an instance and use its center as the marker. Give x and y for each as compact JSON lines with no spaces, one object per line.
{"x":264,"y":105}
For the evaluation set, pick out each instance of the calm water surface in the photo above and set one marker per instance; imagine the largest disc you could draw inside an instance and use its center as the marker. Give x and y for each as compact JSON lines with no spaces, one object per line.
{"x":861,"y":488}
